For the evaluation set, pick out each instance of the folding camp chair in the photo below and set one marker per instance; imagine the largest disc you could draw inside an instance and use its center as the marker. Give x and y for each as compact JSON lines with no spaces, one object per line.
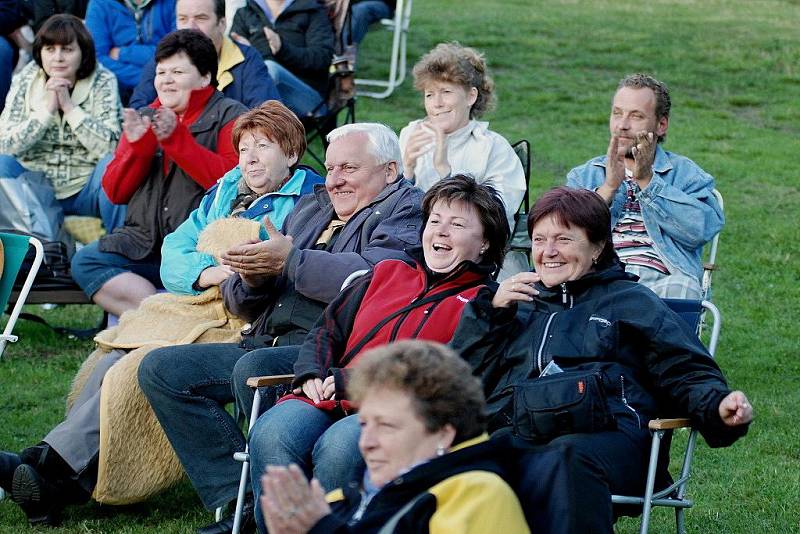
{"x":711,"y":264}
{"x":258,"y":382}
{"x":397,"y":60}
{"x":674,"y":495}
{"x":15,"y":248}
{"x":520,"y":240}
{"x":341,"y":95}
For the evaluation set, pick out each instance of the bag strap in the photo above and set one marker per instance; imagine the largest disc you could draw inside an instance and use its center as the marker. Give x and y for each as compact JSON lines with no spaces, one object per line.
{"x":74,"y":333}
{"x":416,"y":304}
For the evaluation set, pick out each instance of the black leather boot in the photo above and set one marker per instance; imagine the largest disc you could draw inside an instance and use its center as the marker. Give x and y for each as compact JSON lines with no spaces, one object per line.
{"x":225,"y":525}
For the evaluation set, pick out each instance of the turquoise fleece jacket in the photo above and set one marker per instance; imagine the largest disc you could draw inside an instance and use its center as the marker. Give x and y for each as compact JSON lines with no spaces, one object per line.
{"x":181,"y":263}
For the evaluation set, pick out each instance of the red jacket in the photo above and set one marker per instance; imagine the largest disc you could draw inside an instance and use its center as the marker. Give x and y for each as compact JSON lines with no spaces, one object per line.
{"x":346,"y":328}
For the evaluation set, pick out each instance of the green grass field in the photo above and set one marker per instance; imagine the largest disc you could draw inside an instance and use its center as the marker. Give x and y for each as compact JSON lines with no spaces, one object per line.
{"x":734,"y":71}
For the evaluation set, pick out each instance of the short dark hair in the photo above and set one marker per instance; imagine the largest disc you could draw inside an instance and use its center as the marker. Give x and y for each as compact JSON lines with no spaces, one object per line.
{"x":439,"y":381}
{"x":645,"y":81}
{"x":279,"y":124}
{"x":581,"y":208}
{"x":487,"y":203}
{"x":196,"y":45}
{"x":63,"y":29}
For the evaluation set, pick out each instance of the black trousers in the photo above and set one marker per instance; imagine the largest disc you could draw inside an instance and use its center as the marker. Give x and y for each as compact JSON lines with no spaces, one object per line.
{"x":566,"y":485}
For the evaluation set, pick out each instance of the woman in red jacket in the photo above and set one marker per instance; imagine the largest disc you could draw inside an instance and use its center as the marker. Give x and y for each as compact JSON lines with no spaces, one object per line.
{"x":463,"y":239}
{"x":167,"y":158}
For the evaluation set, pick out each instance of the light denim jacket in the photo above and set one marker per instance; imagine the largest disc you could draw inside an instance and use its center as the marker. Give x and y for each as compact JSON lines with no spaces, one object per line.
{"x":181,"y":263}
{"x":679,"y":210}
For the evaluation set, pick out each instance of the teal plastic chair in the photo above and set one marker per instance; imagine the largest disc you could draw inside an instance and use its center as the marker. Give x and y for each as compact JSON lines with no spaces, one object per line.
{"x":15,"y":247}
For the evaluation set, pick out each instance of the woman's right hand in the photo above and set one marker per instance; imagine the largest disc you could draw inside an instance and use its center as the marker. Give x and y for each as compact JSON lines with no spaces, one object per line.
{"x":317,"y":389}
{"x":213,"y":276}
{"x":420,"y":142}
{"x":517,"y":288}
{"x":134,"y":125}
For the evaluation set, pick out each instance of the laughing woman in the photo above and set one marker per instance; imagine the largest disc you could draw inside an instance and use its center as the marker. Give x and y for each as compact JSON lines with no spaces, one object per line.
{"x":463,"y":237}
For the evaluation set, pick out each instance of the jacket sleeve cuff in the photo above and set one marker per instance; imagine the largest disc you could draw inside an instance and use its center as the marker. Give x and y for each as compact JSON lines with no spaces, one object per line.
{"x":715,"y":431}
{"x":292,"y":261}
{"x":340,"y":379}
{"x":75,"y":117}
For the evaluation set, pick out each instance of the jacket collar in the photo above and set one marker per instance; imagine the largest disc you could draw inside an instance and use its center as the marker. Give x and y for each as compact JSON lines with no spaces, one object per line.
{"x":230,"y":55}
{"x":575,"y":287}
{"x":661,"y":163}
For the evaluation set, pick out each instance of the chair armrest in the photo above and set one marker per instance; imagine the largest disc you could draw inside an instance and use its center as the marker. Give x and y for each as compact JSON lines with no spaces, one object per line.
{"x":710,"y":267}
{"x":266,"y":381}
{"x":669,"y":424}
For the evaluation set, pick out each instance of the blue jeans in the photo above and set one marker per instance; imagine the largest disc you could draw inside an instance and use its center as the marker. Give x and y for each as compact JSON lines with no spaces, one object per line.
{"x":91,"y":200}
{"x":188,"y":387}
{"x":362,"y":15}
{"x":91,"y":268}
{"x":6,"y":68}
{"x":296,"y":432}
{"x":295,"y":93}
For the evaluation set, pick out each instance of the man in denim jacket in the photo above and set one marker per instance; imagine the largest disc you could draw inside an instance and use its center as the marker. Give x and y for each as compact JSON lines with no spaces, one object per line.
{"x":662,"y":207}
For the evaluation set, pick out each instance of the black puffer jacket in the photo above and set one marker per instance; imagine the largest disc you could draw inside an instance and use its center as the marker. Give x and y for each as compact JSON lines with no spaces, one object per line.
{"x":306,"y":38}
{"x":653,"y":363}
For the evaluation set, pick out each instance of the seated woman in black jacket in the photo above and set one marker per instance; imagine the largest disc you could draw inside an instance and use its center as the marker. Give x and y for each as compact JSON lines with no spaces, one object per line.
{"x":581,"y":311}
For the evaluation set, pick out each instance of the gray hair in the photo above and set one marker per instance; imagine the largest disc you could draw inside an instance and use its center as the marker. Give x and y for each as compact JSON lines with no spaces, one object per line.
{"x":382,"y":143}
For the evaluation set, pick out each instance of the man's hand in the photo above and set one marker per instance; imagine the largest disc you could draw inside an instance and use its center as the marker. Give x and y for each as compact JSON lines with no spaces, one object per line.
{"x":418,"y":144}
{"x":273,"y":39}
{"x":312,"y":388}
{"x":114,"y":53}
{"x":164,"y":123}
{"x":615,"y":171}
{"x":644,"y":153}
{"x":213,"y":276}
{"x":735,"y":409}
{"x":262,"y":258}
{"x":290,"y":504}
{"x":134,"y":126}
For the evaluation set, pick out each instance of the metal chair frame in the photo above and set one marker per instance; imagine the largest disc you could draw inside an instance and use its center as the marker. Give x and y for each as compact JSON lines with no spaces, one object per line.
{"x":397,"y":60}
{"x":673,"y":496}
{"x":10,"y":272}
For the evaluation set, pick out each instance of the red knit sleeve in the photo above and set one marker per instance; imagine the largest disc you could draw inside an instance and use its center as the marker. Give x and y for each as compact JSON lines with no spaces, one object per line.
{"x":203,"y":165}
{"x":129,"y":167}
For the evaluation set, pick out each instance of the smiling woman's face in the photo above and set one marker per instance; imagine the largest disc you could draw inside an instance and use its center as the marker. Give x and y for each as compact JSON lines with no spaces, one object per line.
{"x":176,"y":78}
{"x":263,"y":163}
{"x":561,"y":253}
{"x":453,"y":233}
{"x":448,"y":105}
{"x":393,"y":437}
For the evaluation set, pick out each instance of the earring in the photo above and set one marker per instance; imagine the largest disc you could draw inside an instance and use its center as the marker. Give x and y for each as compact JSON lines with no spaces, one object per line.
{"x":482,"y":251}
{"x":594,"y":261}
{"x":440,"y":450}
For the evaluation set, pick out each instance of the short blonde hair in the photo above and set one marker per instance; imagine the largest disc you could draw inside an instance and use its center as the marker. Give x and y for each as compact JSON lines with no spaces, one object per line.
{"x":461,"y":65}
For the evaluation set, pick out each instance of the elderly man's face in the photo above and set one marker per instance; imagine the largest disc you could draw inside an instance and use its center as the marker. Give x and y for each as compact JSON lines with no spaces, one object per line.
{"x":354,"y":176}
{"x":634,"y":111}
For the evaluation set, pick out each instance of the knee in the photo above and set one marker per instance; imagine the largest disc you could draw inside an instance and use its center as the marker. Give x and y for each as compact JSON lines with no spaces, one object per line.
{"x":153,"y":367}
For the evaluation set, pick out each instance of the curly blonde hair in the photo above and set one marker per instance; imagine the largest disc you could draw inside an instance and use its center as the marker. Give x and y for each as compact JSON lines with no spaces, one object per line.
{"x":461,"y":65}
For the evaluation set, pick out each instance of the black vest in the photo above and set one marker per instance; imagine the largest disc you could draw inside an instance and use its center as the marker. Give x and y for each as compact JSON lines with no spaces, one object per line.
{"x":163,"y":202}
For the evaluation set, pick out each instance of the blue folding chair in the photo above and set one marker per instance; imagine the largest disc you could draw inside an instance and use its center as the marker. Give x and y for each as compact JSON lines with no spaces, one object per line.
{"x":674,"y":495}
{"x":15,"y":248}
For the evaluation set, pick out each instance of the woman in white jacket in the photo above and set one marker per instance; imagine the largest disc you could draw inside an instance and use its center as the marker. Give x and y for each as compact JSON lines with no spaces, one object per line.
{"x":456,"y":91}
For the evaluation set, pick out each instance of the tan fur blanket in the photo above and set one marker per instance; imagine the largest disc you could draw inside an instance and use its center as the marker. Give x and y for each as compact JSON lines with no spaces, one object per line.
{"x":136,"y":459}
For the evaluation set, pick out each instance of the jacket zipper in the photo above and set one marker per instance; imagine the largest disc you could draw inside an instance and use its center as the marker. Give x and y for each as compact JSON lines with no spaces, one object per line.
{"x":625,"y":401}
{"x":543,"y":342}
